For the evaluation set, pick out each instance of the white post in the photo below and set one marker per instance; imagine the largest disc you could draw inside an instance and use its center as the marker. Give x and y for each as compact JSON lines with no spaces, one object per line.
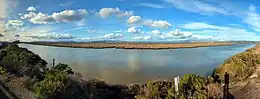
{"x":176,"y":82}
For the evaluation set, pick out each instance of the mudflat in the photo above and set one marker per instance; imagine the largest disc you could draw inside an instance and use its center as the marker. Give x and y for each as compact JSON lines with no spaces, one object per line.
{"x":134,"y":45}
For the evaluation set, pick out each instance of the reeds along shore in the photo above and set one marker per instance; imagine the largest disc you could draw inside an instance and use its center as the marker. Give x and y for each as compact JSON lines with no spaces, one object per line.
{"x":136,"y":45}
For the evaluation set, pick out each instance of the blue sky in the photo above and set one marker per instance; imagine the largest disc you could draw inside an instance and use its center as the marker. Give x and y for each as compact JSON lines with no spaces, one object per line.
{"x":129,"y":20}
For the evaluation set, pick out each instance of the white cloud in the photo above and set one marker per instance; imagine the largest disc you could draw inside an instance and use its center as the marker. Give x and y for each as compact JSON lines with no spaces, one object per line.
{"x":126,"y":14}
{"x":178,"y":34}
{"x":110,"y":36}
{"x":23,"y":32}
{"x":142,"y":38}
{"x":134,"y":30}
{"x":151,"y":5}
{"x":224,"y":32}
{"x":199,"y":25}
{"x":31,"y":8}
{"x":184,"y":35}
{"x":41,"y":18}
{"x":253,"y":18}
{"x":28,"y":16}
{"x":106,"y":12}
{"x":157,"y":24}
{"x":78,"y":28}
{"x":156,"y":32}
{"x":134,"y":19}
{"x":81,"y":23}
{"x":14,"y":24}
{"x":91,"y":31}
{"x":51,"y":36}
{"x":70,"y":15}
{"x":197,"y":6}
{"x":64,"y":16}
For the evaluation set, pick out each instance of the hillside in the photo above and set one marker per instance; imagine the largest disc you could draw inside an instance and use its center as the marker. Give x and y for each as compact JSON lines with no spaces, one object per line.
{"x":244,"y":71}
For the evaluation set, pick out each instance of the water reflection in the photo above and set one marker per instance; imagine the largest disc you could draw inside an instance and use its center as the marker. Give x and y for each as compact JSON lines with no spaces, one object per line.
{"x":137,"y":66}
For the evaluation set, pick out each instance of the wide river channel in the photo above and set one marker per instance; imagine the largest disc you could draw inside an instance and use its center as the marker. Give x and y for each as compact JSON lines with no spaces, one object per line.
{"x":120,"y":66}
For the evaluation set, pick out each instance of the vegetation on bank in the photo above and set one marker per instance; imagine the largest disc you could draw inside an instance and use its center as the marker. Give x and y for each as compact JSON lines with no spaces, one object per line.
{"x":240,"y":66}
{"x":61,"y":82}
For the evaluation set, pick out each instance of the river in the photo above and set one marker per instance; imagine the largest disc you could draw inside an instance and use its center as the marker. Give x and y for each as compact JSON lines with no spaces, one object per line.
{"x":120,"y":66}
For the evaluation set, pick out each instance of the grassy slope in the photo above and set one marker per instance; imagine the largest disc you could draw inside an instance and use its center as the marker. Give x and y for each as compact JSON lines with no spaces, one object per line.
{"x":240,"y":66}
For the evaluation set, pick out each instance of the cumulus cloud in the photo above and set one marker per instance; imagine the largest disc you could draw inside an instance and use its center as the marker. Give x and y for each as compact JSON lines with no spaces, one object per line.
{"x":106,"y":12}
{"x":64,"y":16}
{"x":28,"y":16}
{"x":176,"y":34}
{"x":112,"y":36}
{"x":134,"y":30}
{"x":14,"y":24}
{"x":142,"y":38}
{"x":51,"y":36}
{"x":157,"y":24}
{"x":134,"y":19}
{"x":156,"y":32}
{"x":31,"y":8}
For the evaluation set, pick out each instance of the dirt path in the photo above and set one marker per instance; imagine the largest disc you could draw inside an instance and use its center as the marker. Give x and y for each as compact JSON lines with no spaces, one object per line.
{"x":248,"y":89}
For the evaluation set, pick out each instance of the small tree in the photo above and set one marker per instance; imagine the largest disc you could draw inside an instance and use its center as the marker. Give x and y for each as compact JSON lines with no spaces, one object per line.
{"x":54,"y":82}
{"x":192,"y":86}
{"x":63,"y":67}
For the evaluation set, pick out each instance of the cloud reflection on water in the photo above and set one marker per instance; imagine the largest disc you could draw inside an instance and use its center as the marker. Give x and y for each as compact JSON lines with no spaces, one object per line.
{"x":137,"y":66}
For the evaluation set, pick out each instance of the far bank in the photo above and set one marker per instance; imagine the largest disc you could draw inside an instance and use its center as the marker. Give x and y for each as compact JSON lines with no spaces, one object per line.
{"x":132,"y":45}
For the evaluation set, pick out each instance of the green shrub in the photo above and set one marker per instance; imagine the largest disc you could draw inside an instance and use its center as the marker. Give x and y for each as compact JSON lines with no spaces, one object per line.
{"x":63,"y":67}
{"x":53,"y":83}
{"x":157,"y":90}
{"x":192,"y":86}
{"x":22,"y":61}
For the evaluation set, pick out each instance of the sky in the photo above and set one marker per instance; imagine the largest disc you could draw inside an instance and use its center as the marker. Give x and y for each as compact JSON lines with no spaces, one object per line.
{"x":129,"y":20}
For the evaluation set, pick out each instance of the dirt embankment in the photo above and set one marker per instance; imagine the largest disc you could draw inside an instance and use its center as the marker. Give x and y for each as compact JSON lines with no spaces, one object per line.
{"x":244,"y":70}
{"x":136,"y":45}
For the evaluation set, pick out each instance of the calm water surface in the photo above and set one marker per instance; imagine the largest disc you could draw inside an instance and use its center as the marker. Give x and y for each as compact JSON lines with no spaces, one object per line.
{"x":122,"y":66}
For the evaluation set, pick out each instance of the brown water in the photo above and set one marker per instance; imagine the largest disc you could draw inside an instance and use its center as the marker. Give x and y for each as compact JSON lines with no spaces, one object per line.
{"x":122,"y":66}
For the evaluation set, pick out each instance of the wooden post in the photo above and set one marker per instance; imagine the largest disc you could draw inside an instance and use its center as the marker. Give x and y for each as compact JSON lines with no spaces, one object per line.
{"x":53,"y":62}
{"x":176,"y":82}
{"x":226,"y":78}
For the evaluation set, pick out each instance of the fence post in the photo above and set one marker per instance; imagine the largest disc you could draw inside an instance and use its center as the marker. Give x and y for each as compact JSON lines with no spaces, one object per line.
{"x":53,"y":62}
{"x":226,"y":78}
{"x":176,"y":82}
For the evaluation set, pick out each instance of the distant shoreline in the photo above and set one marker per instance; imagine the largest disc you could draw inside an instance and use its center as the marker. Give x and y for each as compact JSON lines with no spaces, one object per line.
{"x":123,"y":45}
